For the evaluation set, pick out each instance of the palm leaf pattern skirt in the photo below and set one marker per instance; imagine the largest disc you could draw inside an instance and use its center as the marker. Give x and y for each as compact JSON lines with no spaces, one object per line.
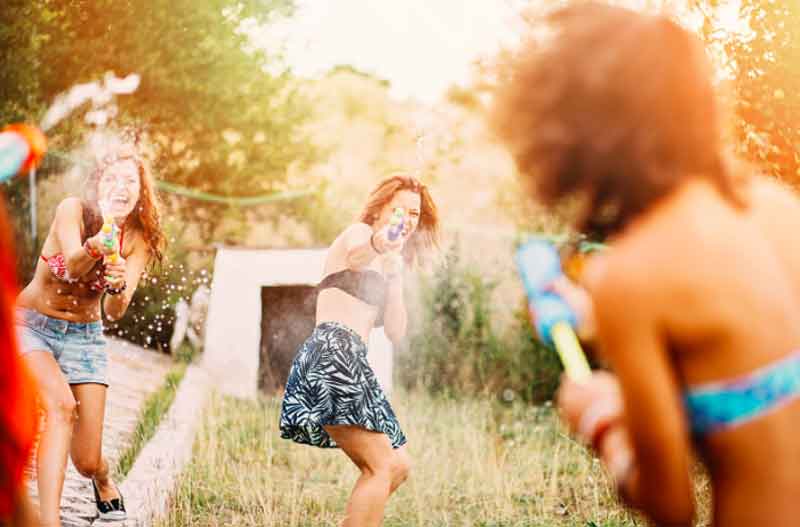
{"x":331,"y":383}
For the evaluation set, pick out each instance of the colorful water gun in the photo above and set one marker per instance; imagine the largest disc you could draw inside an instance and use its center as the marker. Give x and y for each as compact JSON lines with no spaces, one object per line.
{"x":22,"y":148}
{"x":110,"y":240}
{"x":396,"y":223}
{"x":539,"y":265}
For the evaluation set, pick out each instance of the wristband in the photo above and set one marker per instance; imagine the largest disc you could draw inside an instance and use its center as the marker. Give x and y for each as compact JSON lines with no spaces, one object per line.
{"x":597,"y":420}
{"x":93,"y":254}
{"x":116,"y":290}
{"x":621,"y":468}
{"x":372,"y":243}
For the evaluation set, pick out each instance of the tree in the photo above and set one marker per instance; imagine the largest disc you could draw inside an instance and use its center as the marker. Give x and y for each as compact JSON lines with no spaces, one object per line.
{"x":764,"y":64}
{"x":218,"y":120}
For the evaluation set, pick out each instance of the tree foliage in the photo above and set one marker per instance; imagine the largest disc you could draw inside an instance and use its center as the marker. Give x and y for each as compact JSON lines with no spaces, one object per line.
{"x":759,"y":56}
{"x":219,"y":117}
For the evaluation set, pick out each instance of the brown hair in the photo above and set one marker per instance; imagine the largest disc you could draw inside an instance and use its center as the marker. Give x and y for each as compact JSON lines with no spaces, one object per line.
{"x":145,"y":217}
{"x":617,"y":108}
{"x":426,"y":237}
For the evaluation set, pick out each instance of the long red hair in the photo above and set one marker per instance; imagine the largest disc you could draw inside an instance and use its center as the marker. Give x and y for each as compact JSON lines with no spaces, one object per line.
{"x":18,"y":416}
{"x":146,"y":216}
{"x":426,"y":237}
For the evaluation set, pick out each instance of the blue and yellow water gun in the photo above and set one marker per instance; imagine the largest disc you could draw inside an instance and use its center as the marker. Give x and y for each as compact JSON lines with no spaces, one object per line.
{"x":539,"y":265}
{"x":22,"y":148}
{"x":396,"y":223}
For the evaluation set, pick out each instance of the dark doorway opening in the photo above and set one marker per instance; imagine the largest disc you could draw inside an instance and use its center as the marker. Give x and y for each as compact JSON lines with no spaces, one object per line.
{"x":288,"y":316}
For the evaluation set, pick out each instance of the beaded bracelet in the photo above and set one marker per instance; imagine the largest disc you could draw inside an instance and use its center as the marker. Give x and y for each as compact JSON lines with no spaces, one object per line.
{"x":116,"y":290}
{"x":597,"y":419}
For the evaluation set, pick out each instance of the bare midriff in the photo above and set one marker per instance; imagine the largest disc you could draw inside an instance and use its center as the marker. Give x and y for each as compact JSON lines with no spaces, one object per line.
{"x":73,"y":302}
{"x":334,"y":305}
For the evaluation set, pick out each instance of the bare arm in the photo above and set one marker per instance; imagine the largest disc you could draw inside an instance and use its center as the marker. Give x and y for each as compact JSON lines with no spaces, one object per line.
{"x":67,"y":230}
{"x":363,"y":245}
{"x":654,"y":424}
{"x":359,"y":250}
{"x":395,"y":318}
{"x":116,"y":305}
{"x":25,"y":514}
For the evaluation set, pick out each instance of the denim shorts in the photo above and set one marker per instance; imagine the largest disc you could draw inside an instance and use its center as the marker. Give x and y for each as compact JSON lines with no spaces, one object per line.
{"x":79,"y":348}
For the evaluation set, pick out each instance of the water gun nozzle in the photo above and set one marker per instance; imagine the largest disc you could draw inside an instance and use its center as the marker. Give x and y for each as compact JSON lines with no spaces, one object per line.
{"x":22,"y":148}
{"x":397,"y":223}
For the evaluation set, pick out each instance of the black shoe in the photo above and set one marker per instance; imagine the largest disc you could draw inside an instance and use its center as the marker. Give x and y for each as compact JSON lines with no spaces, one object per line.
{"x":109,"y":510}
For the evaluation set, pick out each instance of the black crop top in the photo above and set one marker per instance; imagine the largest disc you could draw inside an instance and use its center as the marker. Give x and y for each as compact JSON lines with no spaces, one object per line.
{"x":368,"y":286}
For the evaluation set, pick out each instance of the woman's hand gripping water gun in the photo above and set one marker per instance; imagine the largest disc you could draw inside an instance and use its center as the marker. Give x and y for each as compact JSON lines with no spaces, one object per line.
{"x":540,"y":268}
{"x":22,"y":148}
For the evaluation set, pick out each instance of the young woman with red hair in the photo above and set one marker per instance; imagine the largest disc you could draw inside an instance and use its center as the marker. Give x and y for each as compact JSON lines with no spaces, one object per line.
{"x":332,"y":396}
{"x":59,"y":320}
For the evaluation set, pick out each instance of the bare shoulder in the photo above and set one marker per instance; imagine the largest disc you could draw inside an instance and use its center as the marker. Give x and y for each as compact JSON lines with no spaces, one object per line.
{"x":768,"y":192}
{"x":354,"y":235}
{"x":357,"y":230}
{"x":70,"y":207}
{"x":631,"y":276}
{"x":614,"y":275}
{"x":69,"y":214}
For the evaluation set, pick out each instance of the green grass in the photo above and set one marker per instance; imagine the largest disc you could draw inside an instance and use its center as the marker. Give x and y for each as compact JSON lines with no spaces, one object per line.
{"x":475,"y":464}
{"x":155,"y":408}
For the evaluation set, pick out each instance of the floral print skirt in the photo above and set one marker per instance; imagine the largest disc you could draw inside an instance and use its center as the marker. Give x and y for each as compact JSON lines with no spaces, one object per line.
{"x":331,"y":383}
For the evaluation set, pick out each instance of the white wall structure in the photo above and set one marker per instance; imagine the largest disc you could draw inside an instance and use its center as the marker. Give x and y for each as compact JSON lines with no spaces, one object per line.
{"x":233,"y":328}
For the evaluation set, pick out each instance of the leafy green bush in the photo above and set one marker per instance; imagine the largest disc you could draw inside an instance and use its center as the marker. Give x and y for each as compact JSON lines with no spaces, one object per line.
{"x":150,"y":318}
{"x":458,"y":346}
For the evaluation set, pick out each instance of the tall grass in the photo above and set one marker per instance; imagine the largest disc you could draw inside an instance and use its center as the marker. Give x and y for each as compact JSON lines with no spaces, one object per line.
{"x":476,"y":463}
{"x":468,"y":338}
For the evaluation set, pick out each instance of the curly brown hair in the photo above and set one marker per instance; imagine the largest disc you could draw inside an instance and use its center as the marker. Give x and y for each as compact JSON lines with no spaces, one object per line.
{"x":614,"y":107}
{"x":146,"y":216}
{"x":426,"y":237}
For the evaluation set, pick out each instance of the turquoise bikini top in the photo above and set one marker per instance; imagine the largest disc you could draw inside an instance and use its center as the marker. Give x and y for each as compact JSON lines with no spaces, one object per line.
{"x":719,"y":405}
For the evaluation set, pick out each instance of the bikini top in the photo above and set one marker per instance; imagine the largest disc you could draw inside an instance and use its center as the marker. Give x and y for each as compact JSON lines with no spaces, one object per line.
{"x":58,"y":264}
{"x":724,"y":404}
{"x":368,"y":286}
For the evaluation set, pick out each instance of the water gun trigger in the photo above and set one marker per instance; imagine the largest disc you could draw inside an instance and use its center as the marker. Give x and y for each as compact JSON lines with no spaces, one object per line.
{"x":22,"y":148}
{"x":396,"y":223}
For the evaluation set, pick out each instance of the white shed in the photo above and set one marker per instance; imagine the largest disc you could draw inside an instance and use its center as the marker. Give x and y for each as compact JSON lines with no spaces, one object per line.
{"x":261,"y":308}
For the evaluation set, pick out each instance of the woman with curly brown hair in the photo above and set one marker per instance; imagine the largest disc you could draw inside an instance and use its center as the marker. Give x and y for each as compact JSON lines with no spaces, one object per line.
{"x":696,"y":304}
{"x":332,"y":396}
{"x":59,"y":320}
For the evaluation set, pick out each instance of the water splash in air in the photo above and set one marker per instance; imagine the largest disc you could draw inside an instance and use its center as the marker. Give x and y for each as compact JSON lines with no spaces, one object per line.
{"x":100,"y":93}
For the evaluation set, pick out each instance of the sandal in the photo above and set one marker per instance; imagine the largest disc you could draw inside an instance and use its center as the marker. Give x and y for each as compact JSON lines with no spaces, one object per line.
{"x":109,"y":510}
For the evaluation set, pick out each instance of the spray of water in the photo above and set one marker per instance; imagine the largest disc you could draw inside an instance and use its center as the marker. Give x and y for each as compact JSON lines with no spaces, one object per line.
{"x":100,"y":93}
{"x":420,"y":151}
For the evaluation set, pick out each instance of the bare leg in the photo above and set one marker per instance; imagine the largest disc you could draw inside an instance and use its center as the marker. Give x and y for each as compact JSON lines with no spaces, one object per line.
{"x":383,"y":469}
{"x":24,"y":512}
{"x":87,"y":439}
{"x":59,"y":407}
